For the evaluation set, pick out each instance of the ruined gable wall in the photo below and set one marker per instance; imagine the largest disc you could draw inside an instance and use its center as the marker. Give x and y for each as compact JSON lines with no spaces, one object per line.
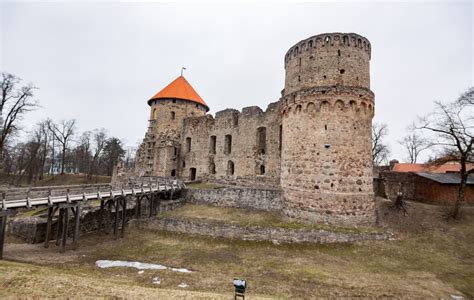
{"x":246,"y":153}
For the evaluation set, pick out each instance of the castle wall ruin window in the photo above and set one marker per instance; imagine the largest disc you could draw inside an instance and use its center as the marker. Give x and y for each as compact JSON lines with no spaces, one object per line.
{"x":228,"y":144}
{"x":280,"y":140}
{"x":192,"y":174}
{"x":262,"y":170}
{"x":261,"y":140}
{"x":212,"y":168}
{"x":173,"y":173}
{"x":338,"y":52}
{"x":188,"y":144}
{"x":173,"y":115}
{"x":230,"y":168}
{"x":342,"y":71}
{"x":154,"y":114}
{"x":175,"y":151}
{"x":212,"y":144}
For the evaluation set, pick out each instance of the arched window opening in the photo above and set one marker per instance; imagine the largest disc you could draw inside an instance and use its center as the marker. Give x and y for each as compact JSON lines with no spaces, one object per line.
{"x":327,"y":39}
{"x":192,"y":174}
{"x":230,"y":168}
{"x":325,"y":106}
{"x":339,"y":105}
{"x":212,"y":144}
{"x":188,"y":144}
{"x":173,"y":173}
{"x":262,"y":170}
{"x":228,"y":144}
{"x":155,"y":114}
{"x":298,"y":109}
{"x":212,"y":168}
{"x":310,"y":107}
{"x":310,"y":44}
{"x":173,"y":115}
{"x":261,"y":140}
{"x":345,"y":40}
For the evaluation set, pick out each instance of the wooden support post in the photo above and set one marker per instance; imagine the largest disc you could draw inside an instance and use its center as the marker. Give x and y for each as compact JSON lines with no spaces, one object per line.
{"x":116,"y":217}
{"x":65,"y":223}
{"x":77,"y":220}
{"x":124,"y":216}
{"x":152,"y":197}
{"x":59,"y":226}
{"x":101,"y":215}
{"x":138,"y":201}
{"x":48,"y":227}
{"x":3,"y":226}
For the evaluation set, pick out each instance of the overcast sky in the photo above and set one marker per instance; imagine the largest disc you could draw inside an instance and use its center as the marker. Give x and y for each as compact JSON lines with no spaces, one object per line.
{"x":99,"y":62}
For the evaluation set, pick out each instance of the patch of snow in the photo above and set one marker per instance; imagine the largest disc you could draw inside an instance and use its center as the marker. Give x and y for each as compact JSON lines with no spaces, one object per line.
{"x":182,"y":270}
{"x":156,"y":280}
{"x":141,"y":272}
{"x":455,"y":297}
{"x":130,"y":264}
{"x":183,"y":285}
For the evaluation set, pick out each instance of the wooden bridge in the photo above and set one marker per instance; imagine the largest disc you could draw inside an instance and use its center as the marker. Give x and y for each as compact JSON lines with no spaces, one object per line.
{"x":62,"y":200}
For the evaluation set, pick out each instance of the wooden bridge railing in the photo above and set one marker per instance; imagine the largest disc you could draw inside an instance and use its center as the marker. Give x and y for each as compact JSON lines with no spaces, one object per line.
{"x":63,"y":198}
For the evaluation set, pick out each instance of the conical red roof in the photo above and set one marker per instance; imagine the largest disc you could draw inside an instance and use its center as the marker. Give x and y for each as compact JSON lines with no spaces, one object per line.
{"x":179,"y":89}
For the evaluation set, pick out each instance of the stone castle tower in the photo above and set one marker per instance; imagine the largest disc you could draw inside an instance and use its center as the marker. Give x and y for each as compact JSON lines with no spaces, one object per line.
{"x":314,"y":144}
{"x":327,"y":108}
{"x":159,"y":153}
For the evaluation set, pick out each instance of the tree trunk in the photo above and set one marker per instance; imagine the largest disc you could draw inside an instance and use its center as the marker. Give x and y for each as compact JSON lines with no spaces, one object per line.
{"x":462,"y":187}
{"x":63,"y":158}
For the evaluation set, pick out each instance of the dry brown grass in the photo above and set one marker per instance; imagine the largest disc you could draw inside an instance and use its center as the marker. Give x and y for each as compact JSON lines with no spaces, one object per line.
{"x":434,"y":262}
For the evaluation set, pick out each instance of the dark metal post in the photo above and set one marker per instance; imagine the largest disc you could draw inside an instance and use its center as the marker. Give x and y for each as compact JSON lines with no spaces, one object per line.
{"x":77,"y":220}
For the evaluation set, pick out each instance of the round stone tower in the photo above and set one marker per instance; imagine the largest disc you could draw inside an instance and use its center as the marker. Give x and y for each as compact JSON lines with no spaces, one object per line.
{"x":159,"y":153}
{"x":327,"y":108}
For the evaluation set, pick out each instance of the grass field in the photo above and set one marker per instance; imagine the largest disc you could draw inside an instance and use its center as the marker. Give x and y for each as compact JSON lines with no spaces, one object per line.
{"x":429,"y":259}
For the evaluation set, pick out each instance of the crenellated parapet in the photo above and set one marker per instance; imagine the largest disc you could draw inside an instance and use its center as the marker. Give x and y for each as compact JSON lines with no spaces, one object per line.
{"x":328,"y":60}
{"x":325,"y":40}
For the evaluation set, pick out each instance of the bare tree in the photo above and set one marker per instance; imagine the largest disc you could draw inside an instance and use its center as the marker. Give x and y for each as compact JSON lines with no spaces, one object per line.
{"x":414,"y":145}
{"x":15,"y":101}
{"x":453,"y":127}
{"x":63,"y":133}
{"x":99,"y":140}
{"x":467,"y":98}
{"x":380,"y":150}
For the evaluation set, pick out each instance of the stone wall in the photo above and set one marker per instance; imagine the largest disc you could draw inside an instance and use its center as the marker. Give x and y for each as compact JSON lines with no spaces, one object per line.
{"x":393,"y":182}
{"x":264,"y":199}
{"x":328,"y":59}
{"x":234,"y":147}
{"x":255,"y":233}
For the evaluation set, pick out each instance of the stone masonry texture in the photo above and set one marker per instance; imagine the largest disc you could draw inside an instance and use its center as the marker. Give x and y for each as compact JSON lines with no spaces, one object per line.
{"x":314,"y":143}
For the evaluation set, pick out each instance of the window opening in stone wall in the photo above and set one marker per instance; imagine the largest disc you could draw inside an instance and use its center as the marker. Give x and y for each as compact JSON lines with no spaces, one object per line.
{"x":280,"y":138}
{"x":212,"y":144}
{"x":310,"y":44}
{"x":327,"y":39}
{"x":300,"y":61}
{"x":174,"y":100}
{"x":338,"y":52}
{"x":299,"y":78}
{"x":230,"y":168}
{"x":325,"y":127}
{"x":262,"y":170}
{"x":324,"y":76}
{"x":173,"y":173}
{"x":192,"y":174}
{"x":261,"y":140}
{"x":236,"y":121}
{"x":228,"y":144}
{"x":184,"y":164}
{"x":188,"y":144}
{"x":154,"y":114}
{"x":173,"y":115}
{"x":345,"y":39}
{"x":175,"y":151}
{"x":212,"y":168}
{"x":342,"y":71}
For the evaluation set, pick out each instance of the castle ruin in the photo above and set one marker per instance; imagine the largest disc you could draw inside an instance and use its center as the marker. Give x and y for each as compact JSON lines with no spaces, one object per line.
{"x":314,"y":143}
